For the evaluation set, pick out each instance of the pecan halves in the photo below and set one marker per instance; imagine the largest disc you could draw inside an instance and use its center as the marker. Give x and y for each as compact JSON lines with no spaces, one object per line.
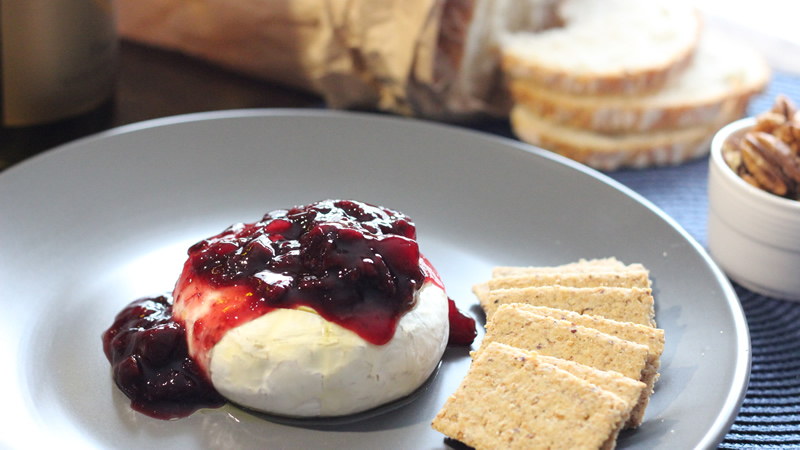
{"x":772,"y":163}
{"x":767,"y":176}
{"x":782,"y":121}
{"x":784,"y":106}
{"x":789,"y":133}
{"x":733,"y":155}
{"x":769,"y":121}
{"x":768,"y":155}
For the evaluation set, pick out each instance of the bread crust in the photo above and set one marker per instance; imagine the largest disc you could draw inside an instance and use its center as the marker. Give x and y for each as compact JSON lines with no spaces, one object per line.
{"x":721,"y":78}
{"x":607,"y":117}
{"x":613,"y":152}
{"x":623,"y":82}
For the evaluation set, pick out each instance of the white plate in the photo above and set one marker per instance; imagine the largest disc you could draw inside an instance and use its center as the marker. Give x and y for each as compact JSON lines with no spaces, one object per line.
{"x":93,"y":225}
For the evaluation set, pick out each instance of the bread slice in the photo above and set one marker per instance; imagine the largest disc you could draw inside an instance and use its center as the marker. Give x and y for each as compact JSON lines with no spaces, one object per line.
{"x":552,"y":337}
{"x":653,"y":338}
{"x":722,"y":76}
{"x":620,"y":304}
{"x":623,"y":387}
{"x":610,"y":46}
{"x":511,"y":399}
{"x":611,"y":152}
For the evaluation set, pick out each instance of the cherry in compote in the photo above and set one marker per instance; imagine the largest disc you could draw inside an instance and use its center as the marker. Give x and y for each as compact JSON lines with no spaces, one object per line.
{"x":151,"y":364}
{"x":462,"y":327}
{"x":355,"y":264}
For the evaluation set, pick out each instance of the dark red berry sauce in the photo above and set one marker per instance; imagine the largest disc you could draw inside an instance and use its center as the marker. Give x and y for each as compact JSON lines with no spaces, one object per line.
{"x":355,"y":264}
{"x":462,"y":327}
{"x":151,"y":365}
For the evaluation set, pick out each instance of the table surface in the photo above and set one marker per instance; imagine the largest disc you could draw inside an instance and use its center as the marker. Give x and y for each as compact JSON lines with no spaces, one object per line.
{"x":154,"y":83}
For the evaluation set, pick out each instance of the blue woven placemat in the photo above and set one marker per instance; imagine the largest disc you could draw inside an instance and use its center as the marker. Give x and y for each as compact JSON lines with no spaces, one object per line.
{"x":770,"y":415}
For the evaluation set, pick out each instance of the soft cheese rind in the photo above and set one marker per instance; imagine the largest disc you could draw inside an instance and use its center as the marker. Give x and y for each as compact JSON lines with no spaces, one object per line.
{"x":295,"y":363}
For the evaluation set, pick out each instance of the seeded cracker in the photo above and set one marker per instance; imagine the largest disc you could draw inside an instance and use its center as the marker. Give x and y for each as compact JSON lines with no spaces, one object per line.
{"x":630,"y":279}
{"x":582,"y":266}
{"x":571,"y":274}
{"x":653,"y":338}
{"x":620,"y":304}
{"x":623,"y":387}
{"x":511,"y":399}
{"x":561,"y":339}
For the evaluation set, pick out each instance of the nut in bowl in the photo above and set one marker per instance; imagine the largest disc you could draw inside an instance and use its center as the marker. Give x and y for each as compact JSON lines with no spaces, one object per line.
{"x":754,"y":211}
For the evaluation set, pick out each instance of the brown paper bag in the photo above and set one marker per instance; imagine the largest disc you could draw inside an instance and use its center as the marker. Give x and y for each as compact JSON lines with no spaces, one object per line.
{"x":401,"y":56}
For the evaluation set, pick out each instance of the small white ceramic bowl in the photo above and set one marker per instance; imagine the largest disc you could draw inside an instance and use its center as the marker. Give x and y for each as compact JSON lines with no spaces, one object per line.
{"x":754,"y":236}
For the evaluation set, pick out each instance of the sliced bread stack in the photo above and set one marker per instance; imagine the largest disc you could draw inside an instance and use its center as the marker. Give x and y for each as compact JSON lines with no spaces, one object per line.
{"x":582,"y":327}
{"x":626,"y":83}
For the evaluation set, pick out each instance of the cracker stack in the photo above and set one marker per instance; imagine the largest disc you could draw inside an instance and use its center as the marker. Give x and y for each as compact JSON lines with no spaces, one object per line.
{"x":594,"y":322}
{"x":626,"y":83}
{"x":652,"y":338}
{"x":513,"y":399}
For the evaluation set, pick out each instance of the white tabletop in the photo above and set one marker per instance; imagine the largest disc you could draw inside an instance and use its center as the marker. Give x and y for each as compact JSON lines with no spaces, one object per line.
{"x":770,"y":25}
